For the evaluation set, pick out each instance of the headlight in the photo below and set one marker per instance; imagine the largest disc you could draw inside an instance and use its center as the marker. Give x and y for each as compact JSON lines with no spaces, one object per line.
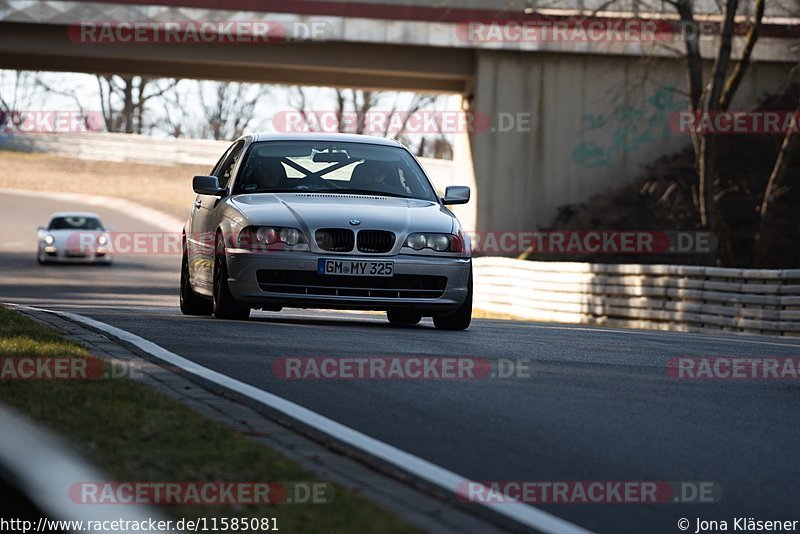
{"x":49,"y":239}
{"x":437,"y":242}
{"x":270,"y":235}
{"x":291,"y":236}
{"x":267,"y":235}
{"x":416,"y":241}
{"x":102,"y":240}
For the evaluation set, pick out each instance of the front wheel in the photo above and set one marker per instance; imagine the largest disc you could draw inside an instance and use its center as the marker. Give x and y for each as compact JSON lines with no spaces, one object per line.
{"x":459,"y":319}
{"x":191,"y":302}
{"x":223,"y":303}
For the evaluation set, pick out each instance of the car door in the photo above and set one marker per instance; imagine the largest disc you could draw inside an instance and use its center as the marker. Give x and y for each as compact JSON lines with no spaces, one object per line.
{"x":206,"y":217}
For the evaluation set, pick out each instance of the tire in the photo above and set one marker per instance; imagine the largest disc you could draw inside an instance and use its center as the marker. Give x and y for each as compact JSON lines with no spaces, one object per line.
{"x":40,"y":260}
{"x":191,"y":302}
{"x":459,"y":319}
{"x":403,"y":317}
{"x":224,"y":306}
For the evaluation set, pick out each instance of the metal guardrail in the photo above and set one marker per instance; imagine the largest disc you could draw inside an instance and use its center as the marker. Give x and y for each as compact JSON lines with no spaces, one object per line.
{"x":663,"y":297}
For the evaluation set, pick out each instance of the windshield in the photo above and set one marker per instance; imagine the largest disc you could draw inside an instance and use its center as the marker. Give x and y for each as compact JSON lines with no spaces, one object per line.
{"x":75,"y":223}
{"x":346,"y":168}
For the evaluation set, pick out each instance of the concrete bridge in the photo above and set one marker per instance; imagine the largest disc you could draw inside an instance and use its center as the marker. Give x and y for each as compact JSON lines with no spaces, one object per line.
{"x":570,"y":116}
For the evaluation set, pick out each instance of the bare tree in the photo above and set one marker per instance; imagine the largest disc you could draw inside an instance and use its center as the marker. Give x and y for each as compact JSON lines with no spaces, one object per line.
{"x":176,"y":115}
{"x":228,"y":108}
{"x":714,"y":96}
{"x":714,"y":93}
{"x":124,"y":100}
{"x":776,"y":187}
{"x":435,"y":147}
{"x":19,"y":91}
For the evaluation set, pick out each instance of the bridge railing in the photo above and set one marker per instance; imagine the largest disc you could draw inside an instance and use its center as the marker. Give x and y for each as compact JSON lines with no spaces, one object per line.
{"x":663,"y":297}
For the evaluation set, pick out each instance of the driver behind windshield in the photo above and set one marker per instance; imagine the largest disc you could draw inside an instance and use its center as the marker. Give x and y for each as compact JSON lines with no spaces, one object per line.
{"x":263,"y":174}
{"x":378,"y":176}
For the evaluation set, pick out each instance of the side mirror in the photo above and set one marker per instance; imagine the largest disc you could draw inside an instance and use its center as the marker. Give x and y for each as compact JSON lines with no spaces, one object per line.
{"x":456,"y":194}
{"x":207,"y":185}
{"x":40,"y":228}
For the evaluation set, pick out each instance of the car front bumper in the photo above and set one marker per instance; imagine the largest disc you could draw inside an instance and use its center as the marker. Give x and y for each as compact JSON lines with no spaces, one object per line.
{"x":290,"y":279}
{"x":53,"y":254}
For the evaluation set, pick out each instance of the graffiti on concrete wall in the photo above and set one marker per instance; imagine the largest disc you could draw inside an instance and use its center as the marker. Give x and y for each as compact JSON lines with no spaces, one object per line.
{"x":625,"y":128}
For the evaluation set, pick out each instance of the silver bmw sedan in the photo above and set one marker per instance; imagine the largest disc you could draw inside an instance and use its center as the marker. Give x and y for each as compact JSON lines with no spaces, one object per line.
{"x":325,"y":221}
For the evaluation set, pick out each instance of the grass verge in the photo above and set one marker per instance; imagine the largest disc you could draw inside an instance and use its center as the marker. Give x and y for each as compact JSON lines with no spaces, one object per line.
{"x":136,"y":434}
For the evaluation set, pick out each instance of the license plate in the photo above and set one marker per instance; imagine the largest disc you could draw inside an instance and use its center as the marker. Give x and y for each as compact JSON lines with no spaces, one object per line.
{"x":355,"y":267}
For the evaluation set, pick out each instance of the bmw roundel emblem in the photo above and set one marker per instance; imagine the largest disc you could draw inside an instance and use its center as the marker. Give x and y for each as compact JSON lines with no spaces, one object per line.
{"x":355,"y":222}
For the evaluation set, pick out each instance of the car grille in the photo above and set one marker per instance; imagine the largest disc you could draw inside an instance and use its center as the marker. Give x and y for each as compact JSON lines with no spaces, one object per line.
{"x":375,"y":241}
{"x":335,"y":239}
{"x":398,"y":286}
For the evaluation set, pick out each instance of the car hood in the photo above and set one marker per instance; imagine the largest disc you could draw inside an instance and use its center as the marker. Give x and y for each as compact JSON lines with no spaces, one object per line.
{"x":310,"y":211}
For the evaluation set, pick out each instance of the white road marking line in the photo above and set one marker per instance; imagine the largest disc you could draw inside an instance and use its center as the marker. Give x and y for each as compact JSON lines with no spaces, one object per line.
{"x":519,"y":512}
{"x":123,"y":307}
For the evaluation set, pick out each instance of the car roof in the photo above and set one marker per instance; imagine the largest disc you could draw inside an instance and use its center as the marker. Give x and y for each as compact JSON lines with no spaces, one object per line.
{"x":84,"y":214}
{"x":325,"y":138}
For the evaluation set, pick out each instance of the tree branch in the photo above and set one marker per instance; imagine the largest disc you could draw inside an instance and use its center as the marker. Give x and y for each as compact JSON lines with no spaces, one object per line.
{"x":741,"y":66}
{"x":720,"y":68}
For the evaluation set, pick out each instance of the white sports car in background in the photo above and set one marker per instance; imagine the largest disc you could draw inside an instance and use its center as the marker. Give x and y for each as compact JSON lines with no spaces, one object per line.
{"x":74,"y":237}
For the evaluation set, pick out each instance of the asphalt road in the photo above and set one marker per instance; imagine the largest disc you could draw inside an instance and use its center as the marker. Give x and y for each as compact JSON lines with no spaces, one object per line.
{"x":597,"y":406}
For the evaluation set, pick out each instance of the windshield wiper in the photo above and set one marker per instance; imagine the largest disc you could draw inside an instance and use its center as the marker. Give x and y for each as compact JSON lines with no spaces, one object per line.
{"x":279,"y":190}
{"x":371,"y":192}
